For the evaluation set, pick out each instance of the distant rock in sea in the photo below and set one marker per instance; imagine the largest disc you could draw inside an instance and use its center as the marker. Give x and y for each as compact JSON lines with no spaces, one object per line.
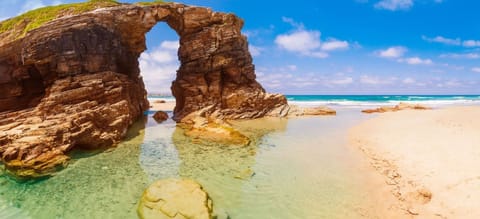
{"x":296,"y":111}
{"x":400,"y":106}
{"x":159,"y":101}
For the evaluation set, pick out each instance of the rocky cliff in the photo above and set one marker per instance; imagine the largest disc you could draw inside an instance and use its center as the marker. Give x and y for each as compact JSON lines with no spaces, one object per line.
{"x":75,"y":81}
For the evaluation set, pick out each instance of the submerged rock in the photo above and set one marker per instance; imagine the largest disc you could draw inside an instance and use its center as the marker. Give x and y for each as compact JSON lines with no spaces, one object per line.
{"x":207,"y":130}
{"x":295,"y":111}
{"x":160,"y":116}
{"x":400,"y":106}
{"x":245,"y":174}
{"x":221,"y":214}
{"x":175,"y":198}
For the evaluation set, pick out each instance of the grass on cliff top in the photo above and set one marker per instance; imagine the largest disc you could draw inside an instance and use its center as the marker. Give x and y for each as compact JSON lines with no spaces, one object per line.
{"x":36,"y":18}
{"x":154,"y":2}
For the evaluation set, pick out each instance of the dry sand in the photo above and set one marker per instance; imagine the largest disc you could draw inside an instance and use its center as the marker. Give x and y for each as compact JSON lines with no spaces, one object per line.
{"x":429,"y":159}
{"x":156,"y":106}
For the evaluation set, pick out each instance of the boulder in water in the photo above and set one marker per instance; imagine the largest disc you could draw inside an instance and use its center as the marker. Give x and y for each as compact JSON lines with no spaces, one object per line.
{"x":160,"y":116}
{"x":175,"y":198}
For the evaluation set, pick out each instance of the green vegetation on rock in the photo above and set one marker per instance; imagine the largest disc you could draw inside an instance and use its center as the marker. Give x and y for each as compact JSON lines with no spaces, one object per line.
{"x":154,"y":2}
{"x":36,"y":18}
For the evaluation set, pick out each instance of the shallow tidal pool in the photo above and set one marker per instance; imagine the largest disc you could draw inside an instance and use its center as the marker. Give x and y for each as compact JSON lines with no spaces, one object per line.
{"x":295,"y":168}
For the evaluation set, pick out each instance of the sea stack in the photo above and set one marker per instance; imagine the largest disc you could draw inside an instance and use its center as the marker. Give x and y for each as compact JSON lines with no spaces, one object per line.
{"x":74,"y":82}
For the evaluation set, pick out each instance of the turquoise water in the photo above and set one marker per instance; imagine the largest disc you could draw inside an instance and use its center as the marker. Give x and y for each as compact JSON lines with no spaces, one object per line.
{"x":303,"y":168}
{"x":372,"y":100}
{"x":365,"y":100}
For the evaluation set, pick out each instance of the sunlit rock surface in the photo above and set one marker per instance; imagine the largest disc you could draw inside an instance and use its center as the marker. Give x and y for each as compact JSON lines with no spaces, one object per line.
{"x":75,"y":82}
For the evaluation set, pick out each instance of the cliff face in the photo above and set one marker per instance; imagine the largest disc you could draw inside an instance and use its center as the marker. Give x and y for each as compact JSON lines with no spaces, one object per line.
{"x":75,"y":81}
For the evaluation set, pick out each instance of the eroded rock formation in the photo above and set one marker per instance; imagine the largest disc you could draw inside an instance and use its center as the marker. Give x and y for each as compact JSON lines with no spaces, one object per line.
{"x":400,"y":106}
{"x":295,"y":111}
{"x":75,"y":81}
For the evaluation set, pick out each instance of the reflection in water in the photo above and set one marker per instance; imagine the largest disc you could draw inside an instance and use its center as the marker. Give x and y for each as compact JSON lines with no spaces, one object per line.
{"x":223,"y":169}
{"x":301,"y":168}
{"x":93,"y":186}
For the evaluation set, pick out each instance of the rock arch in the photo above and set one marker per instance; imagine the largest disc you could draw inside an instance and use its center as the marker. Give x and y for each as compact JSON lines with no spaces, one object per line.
{"x":75,"y":81}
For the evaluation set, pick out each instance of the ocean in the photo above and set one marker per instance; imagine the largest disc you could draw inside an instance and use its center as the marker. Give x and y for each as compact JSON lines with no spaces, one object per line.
{"x":382,"y":100}
{"x":359,"y":101}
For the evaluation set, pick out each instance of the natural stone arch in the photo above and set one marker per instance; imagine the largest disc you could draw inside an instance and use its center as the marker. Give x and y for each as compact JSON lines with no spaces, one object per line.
{"x":75,"y":81}
{"x":216,"y":68}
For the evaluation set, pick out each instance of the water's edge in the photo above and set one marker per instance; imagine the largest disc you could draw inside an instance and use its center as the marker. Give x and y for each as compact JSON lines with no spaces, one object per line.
{"x":303,"y":164}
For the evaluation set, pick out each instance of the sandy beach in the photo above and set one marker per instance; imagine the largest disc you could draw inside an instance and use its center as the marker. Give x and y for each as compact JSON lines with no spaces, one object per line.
{"x":423,"y":164}
{"x":429,"y":159}
{"x":156,"y":105}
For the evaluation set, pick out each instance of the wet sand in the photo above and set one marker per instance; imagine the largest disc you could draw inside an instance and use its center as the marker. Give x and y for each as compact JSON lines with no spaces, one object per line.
{"x":429,"y":159}
{"x":378,"y":201}
{"x":155,"y":105}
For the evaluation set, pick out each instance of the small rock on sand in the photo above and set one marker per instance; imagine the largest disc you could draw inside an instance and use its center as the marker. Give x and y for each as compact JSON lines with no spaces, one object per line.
{"x":159,"y":101}
{"x":160,"y":116}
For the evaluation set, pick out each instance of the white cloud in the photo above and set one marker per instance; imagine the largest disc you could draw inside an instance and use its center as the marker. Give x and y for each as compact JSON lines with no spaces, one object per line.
{"x":165,"y":53}
{"x":392,"y":52}
{"x":476,"y":69}
{"x":452,"y":83}
{"x":274,"y":78}
{"x":454,"y":67}
{"x":373,"y":80}
{"x":443,"y":40}
{"x":171,"y":45}
{"x":293,"y":23}
{"x":342,"y":81}
{"x":160,"y":56}
{"x":334,"y":44}
{"x":254,"y":50}
{"x":408,"y":80}
{"x":394,"y":5}
{"x":307,"y":42}
{"x":320,"y":55}
{"x":299,"y":41}
{"x":158,"y":67}
{"x":461,"y":55}
{"x":365,"y":79}
{"x":455,"y":42}
{"x":397,"y":52}
{"x":471,"y":43}
{"x":288,"y":77}
{"x":416,"y":61}
{"x":258,"y":32}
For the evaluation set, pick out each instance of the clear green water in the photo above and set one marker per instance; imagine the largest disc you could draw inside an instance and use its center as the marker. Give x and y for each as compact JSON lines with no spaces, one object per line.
{"x":303,"y":168}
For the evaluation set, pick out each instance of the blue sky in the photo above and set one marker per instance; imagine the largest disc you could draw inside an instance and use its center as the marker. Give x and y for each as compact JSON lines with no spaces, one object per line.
{"x":337,"y":47}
